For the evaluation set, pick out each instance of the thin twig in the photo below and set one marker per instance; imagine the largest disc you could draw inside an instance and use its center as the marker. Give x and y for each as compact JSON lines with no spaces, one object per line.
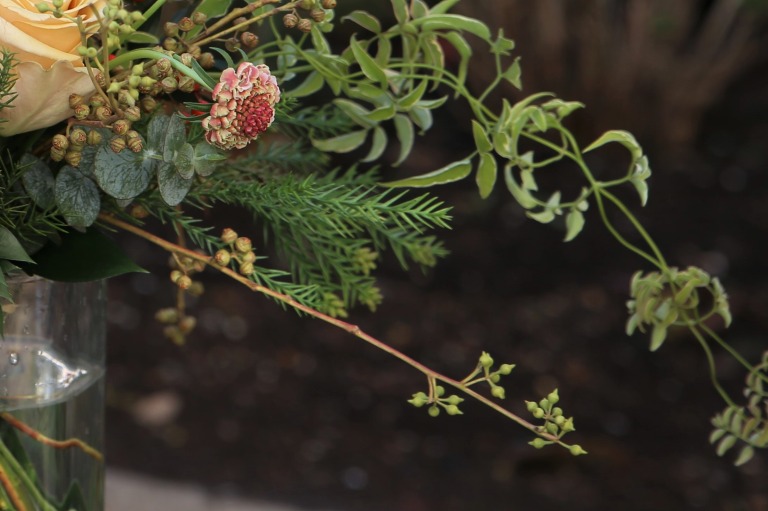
{"x":58,"y":444}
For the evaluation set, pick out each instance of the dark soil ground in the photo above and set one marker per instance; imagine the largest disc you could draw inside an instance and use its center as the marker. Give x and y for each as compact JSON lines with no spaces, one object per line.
{"x":262,"y":403}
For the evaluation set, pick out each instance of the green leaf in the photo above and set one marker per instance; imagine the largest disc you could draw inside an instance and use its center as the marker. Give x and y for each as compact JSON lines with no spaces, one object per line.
{"x":455,"y":22}
{"x":406,"y":136}
{"x":443,"y":7}
{"x":464,"y":50}
{"x":74,"y":498}
{"x":482,"y":142}
{"x":539,"y":118}
{"x":521,"y":195}
{"x":10,"y":248}
{"x":355,"y":111}
{"x":486,"y":174}
{"x":82,"y":257}
{"x":311,"y":84}
{"x":452,"y":172}
{"x":206,"y":159}
{"x":622,"y":137}
{"x":725,"y":444}
{"x":122,"y":175}
{"x":184,"y":161}
{"x":514,"y":73}
{"x":319,"y":41}
{"x":414,"y":96}
{"x":38,"y":181}
{"x":342,"y":143}
{"x":400,"y":9}
{"x":421,"y":117}
{"x":166,"y":134}
{"x":383,"y":113}
{"x":379,"y":140}
{"x":543,"y":217}
{"x":658,"y":335}
{"x":144,"y":38}
{"x":419,"y":9}
{"x":365,"y":20}
{"x":213,"y":9}
{"x":574,"y":223}
{"x":368,"y":65}
{"x":77,"y":197}
{"x":173,"y":186}
{"x":746,"y":454}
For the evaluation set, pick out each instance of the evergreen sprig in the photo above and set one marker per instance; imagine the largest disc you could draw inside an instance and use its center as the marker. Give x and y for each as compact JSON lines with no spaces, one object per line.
{"x":7,"y":79}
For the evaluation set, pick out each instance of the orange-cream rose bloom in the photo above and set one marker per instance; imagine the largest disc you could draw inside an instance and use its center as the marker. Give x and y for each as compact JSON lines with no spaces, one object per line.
{"x":49,"y":67}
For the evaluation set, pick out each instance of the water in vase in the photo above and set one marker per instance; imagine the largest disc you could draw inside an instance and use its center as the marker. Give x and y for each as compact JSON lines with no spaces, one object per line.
{"x":51,"y":411}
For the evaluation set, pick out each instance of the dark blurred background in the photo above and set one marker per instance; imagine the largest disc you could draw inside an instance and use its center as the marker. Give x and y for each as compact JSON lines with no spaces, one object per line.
{"x":262,"y":403}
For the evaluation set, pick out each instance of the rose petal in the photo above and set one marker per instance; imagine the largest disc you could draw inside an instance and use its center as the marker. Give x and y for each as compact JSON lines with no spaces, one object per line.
{"x":45,"y":97}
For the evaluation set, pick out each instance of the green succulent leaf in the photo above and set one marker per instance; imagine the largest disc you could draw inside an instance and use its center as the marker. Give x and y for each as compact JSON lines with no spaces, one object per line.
{"x":452,"y":172}
{"x":342,"y":143}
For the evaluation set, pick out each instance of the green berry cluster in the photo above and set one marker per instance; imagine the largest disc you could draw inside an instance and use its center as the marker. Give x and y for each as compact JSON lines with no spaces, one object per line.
{"x":556,"y":425}
{"x":437,"y":400}
{"x":239,"y":251}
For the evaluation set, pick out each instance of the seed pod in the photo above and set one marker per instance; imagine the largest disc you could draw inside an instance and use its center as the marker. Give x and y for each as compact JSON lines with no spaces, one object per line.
{"x":73,"y":157}
{"x":57,"y":154}
{"x":240,"y":21}
{"x":121,"y":126}
{"x":133,"y":113}
{"x":187,"y":84}
{"x":74,"y":100}
{"x":169,"y":84}
{"x":248,"y":257}
{"x":184,"y":282}
{"x":186,"y":59}
{"x":170,"y":44}
{"x":101,"y":80}
{"x":317,"y":14}
{"x":290,"y":20}
{"x":246,"y":269}
{"x":82,"y":112}
{"x":249,"y":39}
{"x":140,"y":212}
{"x":328,"y":4}
{"x":195,"y":51}
{"x":168,"y":315}
{"x":222,"y":257}
{"x":171,"y":29}
{"x":94,"y":138}
{"x":304,"y":25}
{"x":164,"y":65}
{"x":78,"y":136}
{"x":117,"y":143}
{"x":148,"y":104}
{"x":135,"y":144}
{"x":95,"y":101}
{"x":199,"y":18}
{"x":187,"y":324}
{"x":243,"y":245}
{"x":307,"y":4}
{"x":186,"y":24}
{"x":103,"y":113}
{"x":232,"y":44}
{"x":228,"y":236}
{"x":206,"y":60}
{"x":60,"y":141}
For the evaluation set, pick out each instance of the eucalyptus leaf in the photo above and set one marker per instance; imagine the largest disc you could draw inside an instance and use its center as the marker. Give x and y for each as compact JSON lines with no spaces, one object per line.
{"x":206,"y":159}
{"x":38,"y":181}
{"x":139,"y":37}
{"x":77,"y":197}
{"x":184,"y":161}
{"x":452,"y":172}
{"x":82,"y":257}
{"x":173,"y":186}
{"x":122,"y":175}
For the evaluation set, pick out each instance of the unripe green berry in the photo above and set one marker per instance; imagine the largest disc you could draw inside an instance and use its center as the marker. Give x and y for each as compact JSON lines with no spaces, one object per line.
{"x":168,"y":315}
{"x":248,"y":257}
{"x":452,"y":410}
{"x":538,"y":443}
{"x":434,"y":411}
{"x":246,"y":269}
{"x":304,"y":25}
{"x":222,"y":257}
{"x":60,"y":141}
{"x":559,"y":420}
{"x":538,"y":413}
{"x":454,"y":399}
{"x":176,"y":275}
{"x":505,"y":369}
{"x":184,"y":282}
{"x":486,"y":360}
{"x":243,"y":244}
{"x":551,"y":428}
{"x":498,"y":392}
{"x":531,"y":406}
{"x":439,"y":390}
{"x":568,"y":425}
{"x":576,"y":450}
{"x":495,"y":377}
{"x":186,"y":24}
{"x":553,"y":397}
{"x":557,"y":411}
{"x":290,"y":20}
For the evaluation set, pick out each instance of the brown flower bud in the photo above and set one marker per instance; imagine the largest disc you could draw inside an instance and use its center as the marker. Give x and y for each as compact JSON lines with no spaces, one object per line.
{"x":222,"y":257}
{"x":101,"y":80}
{"x":164,"y":65}
{"x":246,"y":269}
{"x":186,"y":59}
{"x":82,"y":112}
{"x":94,"y":138}
{"x":304,"y":25}
{"x":103,"y":113}
{"x":73,"y":157}
{"x":117,"y":143}
{"x":187,"y":84}
{"x":169,"y":84}
{"x":328,"y":4}
{"x":243,"y":245}
{"x":290,"y":20}
{"x":184,"y":282}
{"x":187,"y":324}
{"x":148,"y":103}
{"x":121,"y":126}
{"x":170,"y":44}
{"x":57,"y":154}
{"x":171,"y":29}
{"x":249,"y":39}
{"x":199,"y":18}
{"x":317,"y":14}
{"x":196,"y":289}
{"x":186,"y":24}
{"x":133,"y":113}
{"x":78,"y":136}
{"x":134,"y":143}
{"x":248,"y":257}
{"x":228,"y":236}
{"x":195,"y":51}
{"x":95,"y":101}
{"x":240,"y":21}
{"x":232,"y":44}
{"x":60,"y":141}
{"x":206,"y":60}
{"x":307,"y":4}
{"x":139,"y":211}
{"x":75,"y":99}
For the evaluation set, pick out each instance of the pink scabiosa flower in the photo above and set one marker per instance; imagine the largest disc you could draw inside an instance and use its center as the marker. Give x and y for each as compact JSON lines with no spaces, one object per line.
{"x":243,"y":108}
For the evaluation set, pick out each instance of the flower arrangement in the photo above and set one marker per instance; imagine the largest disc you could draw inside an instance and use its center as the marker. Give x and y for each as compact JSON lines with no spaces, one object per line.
{"x":121,"y":115}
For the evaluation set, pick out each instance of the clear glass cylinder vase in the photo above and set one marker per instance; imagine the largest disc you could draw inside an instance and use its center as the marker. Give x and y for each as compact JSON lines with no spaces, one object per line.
{"x":52,"y":395}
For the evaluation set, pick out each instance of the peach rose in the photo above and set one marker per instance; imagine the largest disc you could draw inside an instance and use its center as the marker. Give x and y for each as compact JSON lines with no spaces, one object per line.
{"x":49,"y":67}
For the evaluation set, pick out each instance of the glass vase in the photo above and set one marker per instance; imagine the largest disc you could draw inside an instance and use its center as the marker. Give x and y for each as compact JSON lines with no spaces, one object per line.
{"x":52,"y":396}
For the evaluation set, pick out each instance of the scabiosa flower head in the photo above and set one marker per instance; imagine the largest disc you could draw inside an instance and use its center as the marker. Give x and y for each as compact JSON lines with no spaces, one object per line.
{"x":243,"y":108}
